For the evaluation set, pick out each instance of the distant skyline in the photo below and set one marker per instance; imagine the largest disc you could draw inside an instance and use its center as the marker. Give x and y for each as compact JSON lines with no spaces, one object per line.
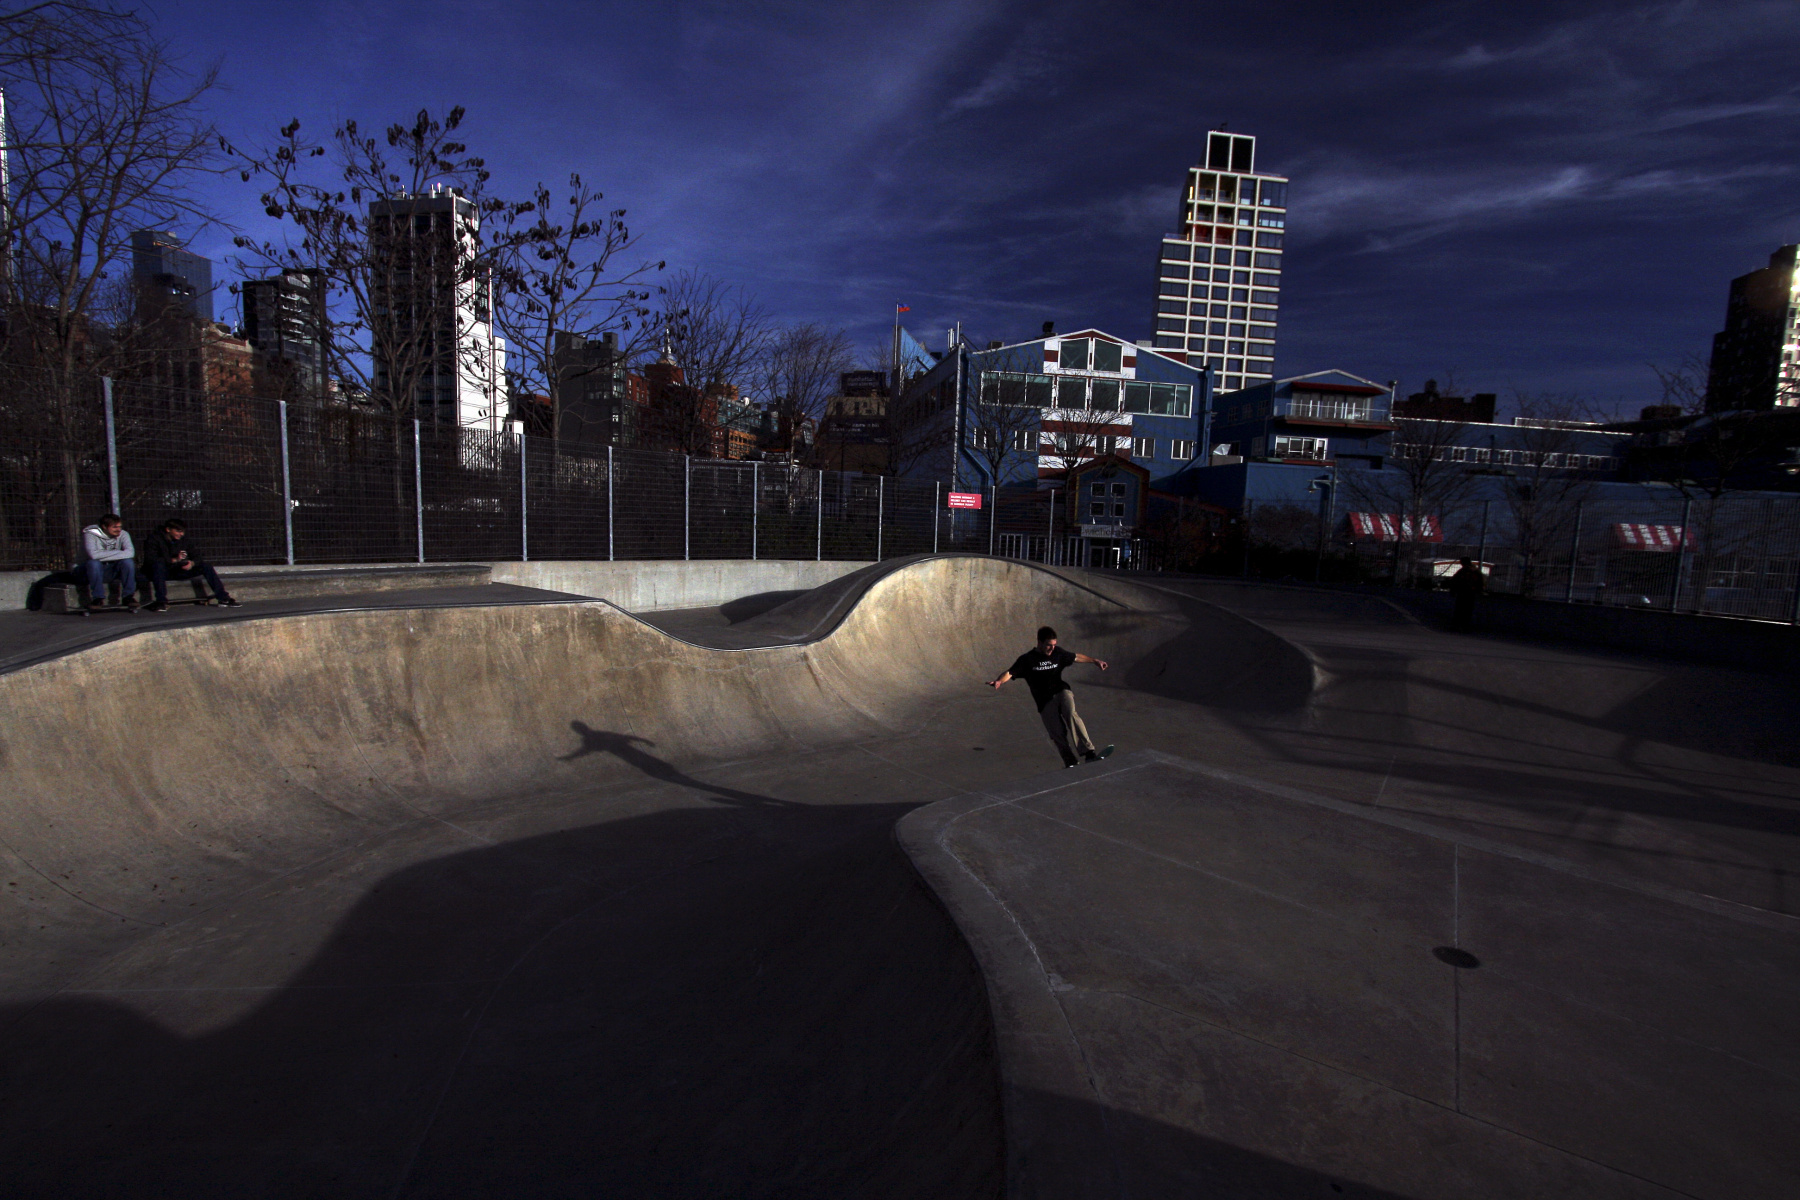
{"x":1536,"y":197}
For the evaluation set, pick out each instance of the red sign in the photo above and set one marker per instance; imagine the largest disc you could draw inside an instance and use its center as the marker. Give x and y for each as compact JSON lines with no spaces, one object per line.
{"x":1656,"y":538}
{"x":965,"y":499}
{"x":1394,"y":527}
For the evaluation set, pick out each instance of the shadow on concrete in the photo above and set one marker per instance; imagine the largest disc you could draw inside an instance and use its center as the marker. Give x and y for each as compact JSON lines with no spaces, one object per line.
{"x":752,"y":1000}
{"x":624,"y":747}
{"x":745,"y":607}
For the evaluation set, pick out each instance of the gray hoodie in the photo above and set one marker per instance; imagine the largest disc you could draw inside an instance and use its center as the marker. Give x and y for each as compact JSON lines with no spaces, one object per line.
{"x":97,"y":546}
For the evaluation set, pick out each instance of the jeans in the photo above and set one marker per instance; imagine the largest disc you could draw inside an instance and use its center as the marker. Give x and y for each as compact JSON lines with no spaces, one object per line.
{"x":1066,"y":728}
{"x":161,"y":572}
{"x":97,"y":573}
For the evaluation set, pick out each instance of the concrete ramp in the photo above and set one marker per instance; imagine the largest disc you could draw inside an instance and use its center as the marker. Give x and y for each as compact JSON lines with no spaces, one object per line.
{"x":517,"y":899}
{"x":1208,"y":985}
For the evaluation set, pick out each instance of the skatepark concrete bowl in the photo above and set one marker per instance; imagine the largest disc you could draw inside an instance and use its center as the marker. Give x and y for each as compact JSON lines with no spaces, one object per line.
{"x":546,"y":898}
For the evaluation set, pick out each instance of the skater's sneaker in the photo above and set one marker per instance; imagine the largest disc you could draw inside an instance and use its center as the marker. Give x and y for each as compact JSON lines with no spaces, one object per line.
{"x":234,"y":602}
{"x":158,"y":606}
{"x":1097,"y":755}
{"x":131,"y":605}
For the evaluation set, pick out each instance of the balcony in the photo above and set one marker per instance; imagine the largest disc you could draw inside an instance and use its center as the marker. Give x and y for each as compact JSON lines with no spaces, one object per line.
{"x":1352,"y":412}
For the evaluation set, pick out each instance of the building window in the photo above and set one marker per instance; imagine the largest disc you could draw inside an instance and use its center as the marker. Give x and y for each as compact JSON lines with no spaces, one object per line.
{"x":1181,"y":449}
{"x":1143,"y":447}
{"x":1266,"y":298}
{"x":1234,"y":348}
{"x":1267,"y":262}
{"x":1071,"y":391}
{"x":1269,"y":241}
{"x":1313,"y":449}
{"x":1098,"y":510}
{"x":1074,"y":355}
{"x":1238,"y":312}
{"x":1024,"y":440}
{"x":1262,"y":314}
{"x":1118,"y":510}
{"x":1263,"y":280}
{"x":1202,"y":273}
{"x":1118,"y":489}
{"x":1169,"y":325}
{"x":1172,"y":306}
{"x":1106,"y":395}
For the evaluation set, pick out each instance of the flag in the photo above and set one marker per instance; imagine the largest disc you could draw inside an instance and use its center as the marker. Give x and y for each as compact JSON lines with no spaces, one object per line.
{"x":899,"y":308}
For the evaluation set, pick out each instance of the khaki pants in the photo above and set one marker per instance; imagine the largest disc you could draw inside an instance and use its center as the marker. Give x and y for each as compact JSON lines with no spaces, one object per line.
{"x":1065,"y":728}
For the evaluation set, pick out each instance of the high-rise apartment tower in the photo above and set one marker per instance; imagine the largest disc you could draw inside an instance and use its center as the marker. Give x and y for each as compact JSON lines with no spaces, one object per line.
{"x":170,"y":278}
{"x":1220,"y":273}
{"x":1756,"y":357}
{"x":284,"y":318}
{"x":433,"y":345}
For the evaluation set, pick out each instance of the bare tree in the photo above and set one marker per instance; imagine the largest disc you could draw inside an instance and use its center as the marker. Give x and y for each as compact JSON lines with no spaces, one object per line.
{"x":555,"y":276}
{"x":1542,"y":481}
{"x":105,"y":136}
{"x":1425,"y":485}
{"x":800,"y":369}
{"x":398,"y":300}
{"x":1004,"y":423}
{"x":717,"y":336}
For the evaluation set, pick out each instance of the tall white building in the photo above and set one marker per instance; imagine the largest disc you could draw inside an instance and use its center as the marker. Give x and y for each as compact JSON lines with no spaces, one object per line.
{"x":1220,"y":275}
{"x":434,"y":334}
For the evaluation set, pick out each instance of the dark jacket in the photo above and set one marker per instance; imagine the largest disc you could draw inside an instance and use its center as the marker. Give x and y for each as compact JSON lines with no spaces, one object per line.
{"x":159,"y":546}
{"x":1468,"y":581}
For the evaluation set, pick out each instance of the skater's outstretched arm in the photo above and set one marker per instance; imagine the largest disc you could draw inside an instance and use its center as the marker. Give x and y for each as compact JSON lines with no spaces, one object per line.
{"x":1098,"y":662}
{"x":999,"y":683}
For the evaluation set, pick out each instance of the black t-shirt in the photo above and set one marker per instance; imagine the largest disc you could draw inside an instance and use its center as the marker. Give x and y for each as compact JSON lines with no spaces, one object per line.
{"x":1042,"y":673}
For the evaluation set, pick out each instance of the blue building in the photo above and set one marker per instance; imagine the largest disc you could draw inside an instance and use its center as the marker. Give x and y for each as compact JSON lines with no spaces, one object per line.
{"x":178,"y":278}
{"x":1025,"y":414}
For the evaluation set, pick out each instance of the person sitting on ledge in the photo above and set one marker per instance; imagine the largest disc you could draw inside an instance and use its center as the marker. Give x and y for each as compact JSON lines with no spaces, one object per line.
{"x":107,"y":554}
{"x":170,"y":554}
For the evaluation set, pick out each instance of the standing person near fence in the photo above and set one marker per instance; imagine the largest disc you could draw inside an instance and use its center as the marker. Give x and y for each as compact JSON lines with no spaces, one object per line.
{"x":1041,"y":669}
{"x":107,"y":554}
{"x":1466,"y":586}
{"x":170,"y":554}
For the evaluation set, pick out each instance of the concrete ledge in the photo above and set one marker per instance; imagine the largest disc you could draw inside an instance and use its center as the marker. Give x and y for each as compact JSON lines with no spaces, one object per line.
{"x":654,"y":585}
{"x":636,"y":586}
{"x":1723,"y":641}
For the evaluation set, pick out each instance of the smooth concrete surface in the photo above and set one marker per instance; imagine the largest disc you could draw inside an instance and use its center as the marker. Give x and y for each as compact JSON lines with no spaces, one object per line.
{"x":1245,"y":973}
{"x":648,"y":586}
{"x":538,"y":899}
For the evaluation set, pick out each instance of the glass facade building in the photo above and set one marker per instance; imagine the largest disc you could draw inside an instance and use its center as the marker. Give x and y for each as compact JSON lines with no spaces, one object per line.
{"x":1219,"y":276}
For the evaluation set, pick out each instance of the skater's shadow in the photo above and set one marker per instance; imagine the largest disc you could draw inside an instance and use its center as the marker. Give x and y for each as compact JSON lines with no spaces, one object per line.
{"x":624,"y":747}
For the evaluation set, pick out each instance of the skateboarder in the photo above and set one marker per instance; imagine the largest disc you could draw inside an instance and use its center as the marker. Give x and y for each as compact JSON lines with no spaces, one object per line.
{"x":1466,"y":587}
{"x":1042,"y":669}
{"x":170,"y":553}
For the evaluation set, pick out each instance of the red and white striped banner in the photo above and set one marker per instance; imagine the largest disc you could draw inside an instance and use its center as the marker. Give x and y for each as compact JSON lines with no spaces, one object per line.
{"x":1656,"y":538}
{"x":1394,"y":527}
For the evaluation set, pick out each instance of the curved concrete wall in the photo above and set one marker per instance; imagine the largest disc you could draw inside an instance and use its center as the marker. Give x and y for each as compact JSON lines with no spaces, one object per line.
{"x":147,"y":773}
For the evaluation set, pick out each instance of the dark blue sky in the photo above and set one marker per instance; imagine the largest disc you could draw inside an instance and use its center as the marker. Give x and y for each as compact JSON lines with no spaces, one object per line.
{"x":1541,"y":197}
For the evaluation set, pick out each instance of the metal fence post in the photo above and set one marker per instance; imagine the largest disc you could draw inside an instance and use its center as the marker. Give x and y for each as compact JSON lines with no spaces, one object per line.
{"x":937,"y":495}
{"x":419,"y":488}
{"x":880,"y":511}
{"x":1687,"y":510}
{"x":687,"y":506}
{"x":1574,"y":554}
{"x":993,"y":514}
{"x":755,"y":503}
{"x":112,"y":443}
{"x":609,"y":503}
{"x":287,"y":486}
{"x":1481,"y":546}
{"x":1050,"y":531}
{"x":1249,"y":520}
{"x":819,"y":526}
{"x":1794,"y":611}
{"x":524,"y":506}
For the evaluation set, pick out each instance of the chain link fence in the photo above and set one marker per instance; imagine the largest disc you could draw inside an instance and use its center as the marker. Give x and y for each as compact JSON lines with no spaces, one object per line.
{"x":1726,"y":554}
{"x":265,"y":481}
